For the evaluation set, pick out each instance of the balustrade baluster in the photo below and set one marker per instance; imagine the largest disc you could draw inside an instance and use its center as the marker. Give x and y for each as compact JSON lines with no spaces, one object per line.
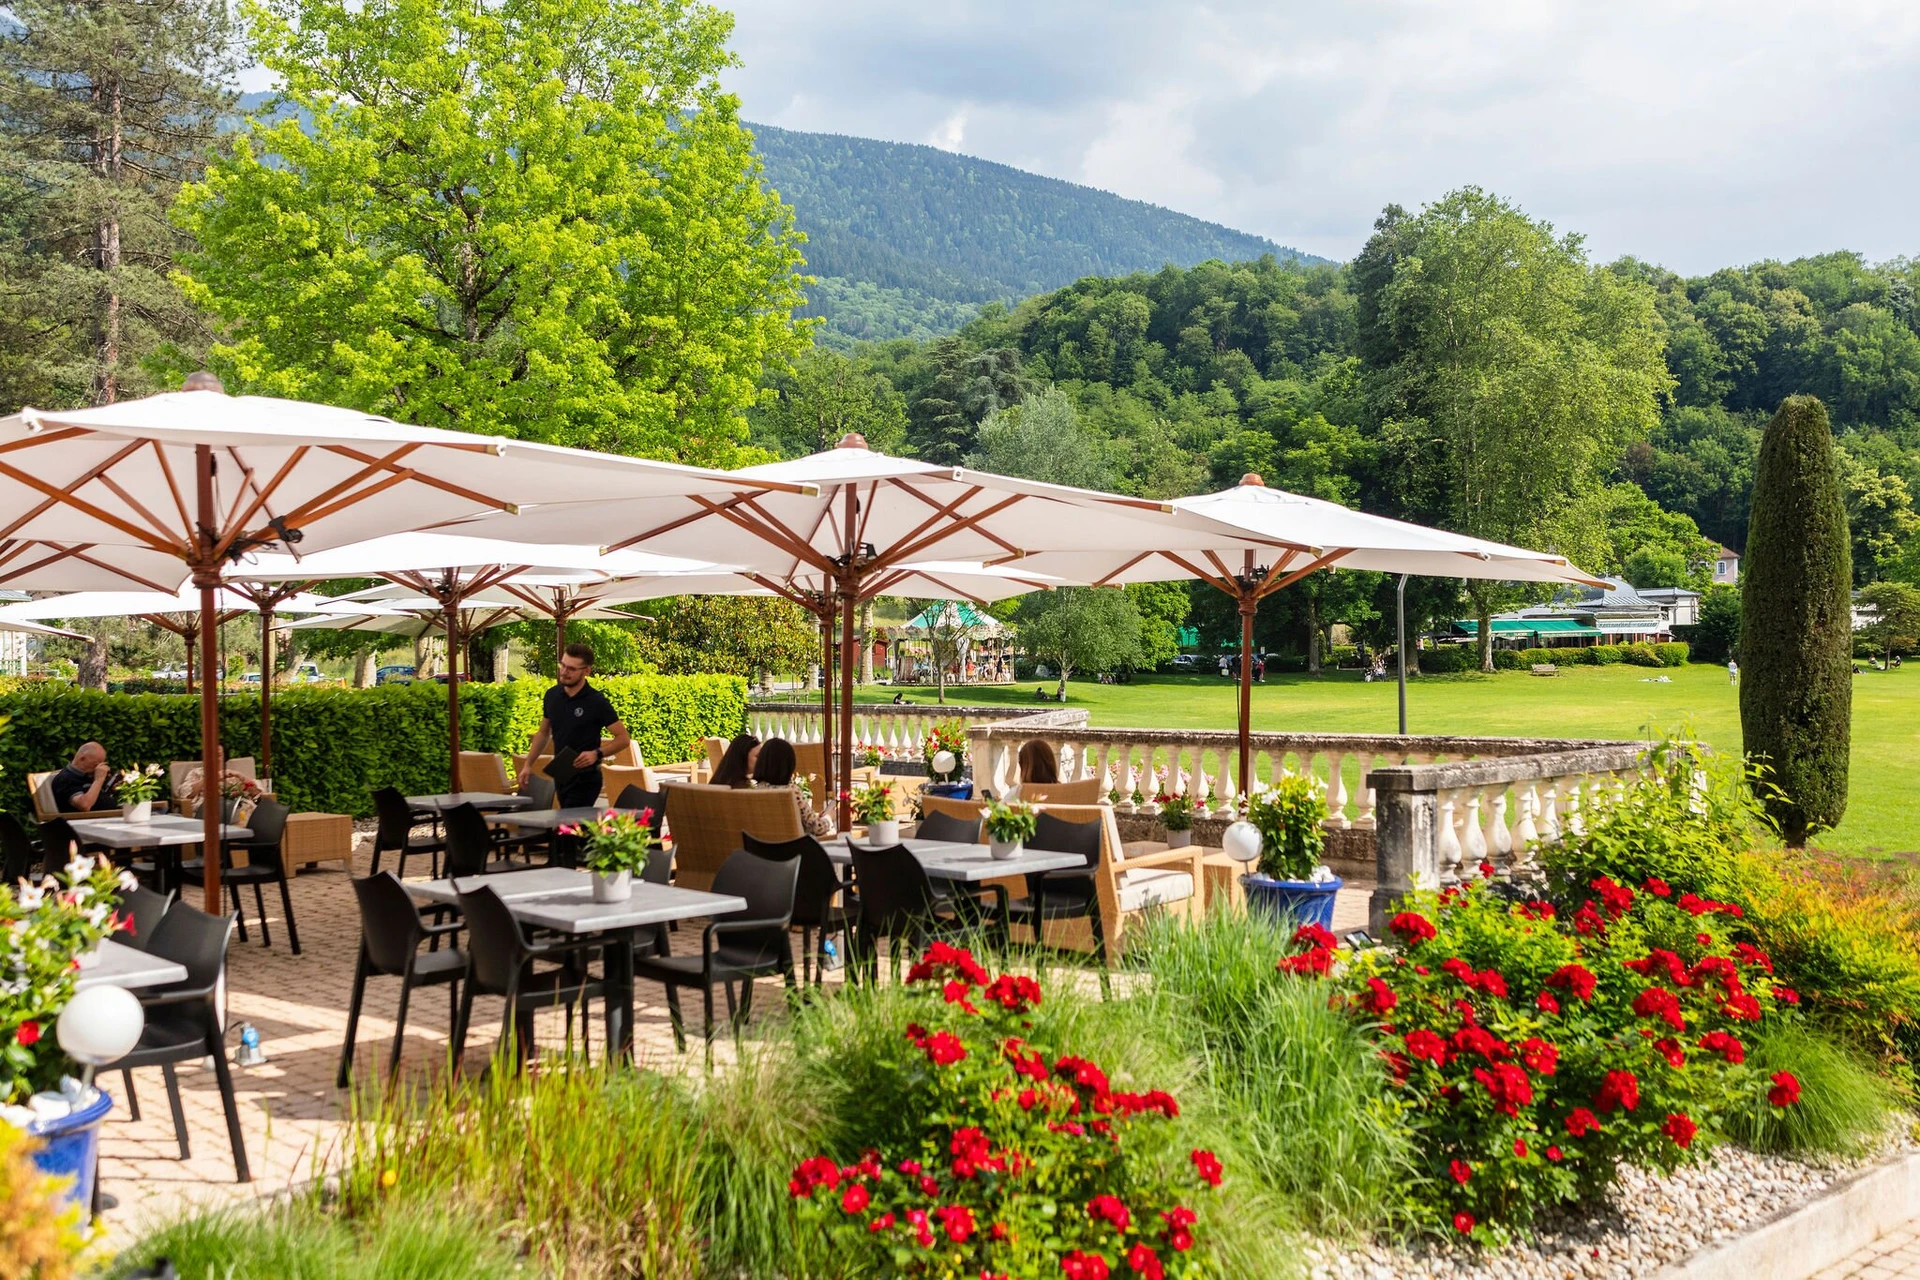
{"x":1550,"y":812}
{"x":1337,"y":793}
{"x":1576,"y":816}
{"x":1499,"y":837}
{"x":1473,"y":841}
{"x":1448,"y":842}
{"x":1525,"y":833}
{"x":1365,"y":820}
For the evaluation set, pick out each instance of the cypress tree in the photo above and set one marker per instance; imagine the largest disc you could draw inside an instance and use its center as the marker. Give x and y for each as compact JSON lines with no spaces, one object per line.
{"x":1796,"y":651}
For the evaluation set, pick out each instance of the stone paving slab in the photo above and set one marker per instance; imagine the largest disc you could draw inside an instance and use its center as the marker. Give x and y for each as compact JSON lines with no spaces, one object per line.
{"x":1894,"y":1256}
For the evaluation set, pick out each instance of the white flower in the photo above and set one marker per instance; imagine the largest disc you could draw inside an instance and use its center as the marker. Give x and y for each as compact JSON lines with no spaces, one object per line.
{"x":30,"y":896}
{"x":126,"y":881}
{"x":81,"y":892}
{"x":80,"y":868}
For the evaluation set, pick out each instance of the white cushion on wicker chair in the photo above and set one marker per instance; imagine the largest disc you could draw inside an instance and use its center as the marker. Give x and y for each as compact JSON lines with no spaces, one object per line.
{"x":1150,"y":887}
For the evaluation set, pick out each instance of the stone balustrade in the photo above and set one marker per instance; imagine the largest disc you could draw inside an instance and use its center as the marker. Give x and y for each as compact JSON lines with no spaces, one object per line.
{"x":1438,"y":822}
{"x":896,"y":732}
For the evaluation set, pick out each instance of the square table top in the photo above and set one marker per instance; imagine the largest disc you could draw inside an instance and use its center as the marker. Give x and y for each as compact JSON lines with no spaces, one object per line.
{"x":561,"y":898}
{"x":548,"y":819}
{"x":123,"y":966}
{"x":971,"y":863}
{"x":482,"y":800}
{"x":158,"y":832}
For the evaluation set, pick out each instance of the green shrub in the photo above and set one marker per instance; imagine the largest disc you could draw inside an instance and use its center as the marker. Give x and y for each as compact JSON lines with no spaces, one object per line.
{"x":1510,"y":659}
{"x":1844,"y":1105}
{"x":1672,"y":653}
{"x":1296,"y":1084}
{"x":1604,"y":655}
{"x":332,"y":746}
{"x":300,"y":1242}
{"x":1449,"y":659}
{"x":1641,"y":655}
{"x":1796,"y":687}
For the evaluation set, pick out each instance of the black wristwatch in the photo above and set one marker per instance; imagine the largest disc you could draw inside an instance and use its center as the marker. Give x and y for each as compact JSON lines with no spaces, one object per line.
{"x":599,"y":756}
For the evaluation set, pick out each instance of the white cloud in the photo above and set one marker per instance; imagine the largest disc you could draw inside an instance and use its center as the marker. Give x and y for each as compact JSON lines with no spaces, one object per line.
{"x":1690,"y":132}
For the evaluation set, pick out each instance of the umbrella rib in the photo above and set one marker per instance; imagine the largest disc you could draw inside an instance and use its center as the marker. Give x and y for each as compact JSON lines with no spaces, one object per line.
{"x":48,"y":437}
{"x":146,"y":537}
{"x":867,"y":514}
{"x":709,"y":507}
{"x":783,"y":589}
{"x":939,"y":511}
{"x":1107,"y":579}
{"x":1313,"y":566}
{"x":388,"y":463}
{"x":1225,"y":584}
{"x":777,"y":533}
{"x":948,"y":587}
{"x":910,"y":548}
{"x":80,"y":553}
{"x":260,"y":495}
{"x":54,"y":500}
{"x":118,"y":491}
{"x":173,"y":486}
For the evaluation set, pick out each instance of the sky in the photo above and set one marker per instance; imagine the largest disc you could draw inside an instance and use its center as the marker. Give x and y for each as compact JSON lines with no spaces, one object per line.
{"x":1692,"y":133}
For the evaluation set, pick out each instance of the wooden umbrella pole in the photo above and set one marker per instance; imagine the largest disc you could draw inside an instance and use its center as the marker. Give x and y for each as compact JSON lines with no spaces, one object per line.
{"x":824,"y":616}
{"x":847,"y":606}
{"x":191,"y":636}
{"x":453,"y":694}
{"x":266,"y":689}
{"x":206,"y":576}
{"x":1248,"y":604}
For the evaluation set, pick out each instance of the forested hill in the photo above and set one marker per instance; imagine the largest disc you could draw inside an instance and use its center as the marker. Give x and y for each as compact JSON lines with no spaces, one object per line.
{"x":908,"y":240}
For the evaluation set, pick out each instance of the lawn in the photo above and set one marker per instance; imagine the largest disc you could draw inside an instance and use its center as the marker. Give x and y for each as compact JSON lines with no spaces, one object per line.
{"x":1597,"y":702}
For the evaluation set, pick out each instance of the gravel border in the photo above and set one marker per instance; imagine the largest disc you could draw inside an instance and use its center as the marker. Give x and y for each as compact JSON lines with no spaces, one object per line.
{"x":1648,"y":1221}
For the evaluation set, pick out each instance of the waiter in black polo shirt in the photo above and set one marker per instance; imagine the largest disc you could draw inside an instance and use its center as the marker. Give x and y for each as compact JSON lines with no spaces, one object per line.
{"x":575,"y":713}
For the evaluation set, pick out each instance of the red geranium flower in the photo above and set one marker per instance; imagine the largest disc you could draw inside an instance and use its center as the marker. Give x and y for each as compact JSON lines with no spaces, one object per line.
{"x":1413,"y":927}
{"x":1463,"y":1223}
{"x":1581,"y":1122}
{"x":1460,"y":1171}
{"x":1422,"y":1043}
{"x":1553,"y":1153}
{"x":1620,"y":1089}
{"x":1520,"y":1148}
{"x":1658,"y":1002}
{"x":1110,"y":1209}
{"x":957,"y":1219}
{"x":1507,"y":1085}
{"x":1578,"y":980}
{"x":1317,"y":962}
{"x":1670,"y":1050}
{"x":1312,"y":935}
{"x":1681,"y":1129}
{"x":1015,"y":994}
{"x":1657,"y":887}
{"x":1207,"y":1165}
{"x":942,"y":958}
{"x":943,"y":1048}
{"x":1616,"y":898}
{"x":1380,"y":998}
{"x":1145,"y":1262}
{"x":855,"y":1199}
{"x":1084,"y":1266}
{"x":1539,"y":1055}
{"x":1786,"y":995}
{"x":28,"y":1033}
{"x":1726,"y":1045}
{"x":1547,"y":1003}
{"x":1786,"y":1089}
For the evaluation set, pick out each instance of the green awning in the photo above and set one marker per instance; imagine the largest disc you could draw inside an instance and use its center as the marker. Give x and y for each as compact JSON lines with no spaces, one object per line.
{"x":1543,"y":628}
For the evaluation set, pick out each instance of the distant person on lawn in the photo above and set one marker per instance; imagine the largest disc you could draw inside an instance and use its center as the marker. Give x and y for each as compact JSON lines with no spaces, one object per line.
{"x":84,"y":784}
{"x":574,"y":716}
{"x":1733,"y":672}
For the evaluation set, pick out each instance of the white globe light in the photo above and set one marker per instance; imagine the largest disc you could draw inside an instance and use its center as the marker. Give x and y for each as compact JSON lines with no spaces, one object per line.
{"x":944,"y":762}
{"x":100,"y":1025}
{"x":1241,"y":840}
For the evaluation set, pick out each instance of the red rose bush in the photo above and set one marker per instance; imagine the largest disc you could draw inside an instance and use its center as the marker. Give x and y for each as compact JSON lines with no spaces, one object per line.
{"x":1031,"y":1162}
{"x":1537,"y":1048}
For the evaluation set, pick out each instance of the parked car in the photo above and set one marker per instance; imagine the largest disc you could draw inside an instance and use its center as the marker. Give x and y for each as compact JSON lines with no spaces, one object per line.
{"x":170,"y":673}
{"x":393,"y":675}
{"x":1189,"y":662}
{"x":307,"y":673}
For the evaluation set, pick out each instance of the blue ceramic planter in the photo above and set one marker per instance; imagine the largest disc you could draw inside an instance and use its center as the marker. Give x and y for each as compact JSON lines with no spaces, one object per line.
{"x":1296,"y":901}
{"x":951,"y":790}
{"x":70,"y":1148}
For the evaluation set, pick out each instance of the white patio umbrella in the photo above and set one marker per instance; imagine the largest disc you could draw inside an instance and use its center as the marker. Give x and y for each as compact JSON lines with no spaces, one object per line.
{"x":1325,"y":535}
{"x":199,"y":479}
{"x":861,"y":516}
{"x":36,"y":629}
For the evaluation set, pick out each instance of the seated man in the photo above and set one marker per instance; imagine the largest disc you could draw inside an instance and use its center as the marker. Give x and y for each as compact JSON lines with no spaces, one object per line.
{"x":84,"y":785}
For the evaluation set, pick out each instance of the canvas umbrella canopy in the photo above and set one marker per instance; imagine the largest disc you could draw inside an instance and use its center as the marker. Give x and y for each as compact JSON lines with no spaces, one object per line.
{"x":36,"y":629}
{"x":854,"y":518}
{"x":1322,"y":535}
{"x":199,"y":479}
{"x":451,"y":570}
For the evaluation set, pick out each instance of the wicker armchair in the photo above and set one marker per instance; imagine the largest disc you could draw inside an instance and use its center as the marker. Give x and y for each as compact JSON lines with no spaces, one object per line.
{"x":1085,"y":791}
{"x":707,"y":823}
{"x":1172,"y":879}
{"x":483,"y":771}
{"x":45,"y":810}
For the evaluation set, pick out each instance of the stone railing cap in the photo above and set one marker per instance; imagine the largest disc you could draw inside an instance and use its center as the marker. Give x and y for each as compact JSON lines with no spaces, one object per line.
{"x":1593,"y":757}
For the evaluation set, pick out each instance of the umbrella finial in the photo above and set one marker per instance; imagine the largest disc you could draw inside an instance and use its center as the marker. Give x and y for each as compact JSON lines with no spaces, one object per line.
{"x":201,"y":380}
{"x":852,"y":440}
{"x":1252,"y":480}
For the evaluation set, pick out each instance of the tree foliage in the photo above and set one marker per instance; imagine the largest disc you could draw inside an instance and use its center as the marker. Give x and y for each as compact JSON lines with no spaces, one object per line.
{"x":106,"y":108}
{"x":1080,"y":629}
{"x":1041,"y":439}
{"x":538,"y":218}
{"x":737,"y":635}
{"x":1893,"y":616}
{"x":822,"y":397}
{"x":1796,"y":652}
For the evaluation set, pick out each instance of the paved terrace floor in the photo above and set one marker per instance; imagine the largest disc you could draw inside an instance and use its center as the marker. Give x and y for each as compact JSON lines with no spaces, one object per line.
{"x":289,"y":1107}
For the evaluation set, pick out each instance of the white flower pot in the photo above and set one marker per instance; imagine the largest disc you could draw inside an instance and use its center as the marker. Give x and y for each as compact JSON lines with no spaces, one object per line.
{"x":138,"y":814}
{"x":884,"y":831}
{"x":616,"y":886}
{"x":1004,"y":849}
{"x":1179,"y":839}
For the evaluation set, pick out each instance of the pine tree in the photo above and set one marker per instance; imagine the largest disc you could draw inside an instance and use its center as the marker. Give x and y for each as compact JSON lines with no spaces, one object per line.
{"x":106,"y":108}
{"x":1796,"y":685}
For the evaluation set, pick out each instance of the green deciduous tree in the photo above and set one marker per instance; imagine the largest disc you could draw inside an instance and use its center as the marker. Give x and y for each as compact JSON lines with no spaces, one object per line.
{"x":1880,"y":515}
{"x":1042,"y":438}
{"x":1508,"y":373}
{"x":1080,"y":629}
{"x":823,"y":396}
{"x":539,"y":218}
{"x":1796,"y":649}
{"x":1716,"y":637}
{"x":731,"y":635}
{"x":1893,"y":610}
{"x":1656,"y":567}
{"x":106,"y":107}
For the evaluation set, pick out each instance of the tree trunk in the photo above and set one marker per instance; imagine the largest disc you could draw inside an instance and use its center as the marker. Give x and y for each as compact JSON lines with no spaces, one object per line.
{"x":93,"y":665}
{"x":1313,"y":634}
{"x":106,"y":250}
{"x":866,"y":643}
{"x":425,"y":657}
{"x":940,"y":679}
{"x":502,"y":661}
{"x":1484,"y":641}
{"x":363,"y":663}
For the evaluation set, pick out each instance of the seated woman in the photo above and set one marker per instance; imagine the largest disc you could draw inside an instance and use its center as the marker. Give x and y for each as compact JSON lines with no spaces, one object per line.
{"x":736,"y":766}
{"x":1038,"y":763}
{"x":774,"y":767}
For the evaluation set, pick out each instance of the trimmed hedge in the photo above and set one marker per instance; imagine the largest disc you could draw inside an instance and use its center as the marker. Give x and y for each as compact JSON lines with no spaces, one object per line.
{"x":332,"y":746}
{"x":1448,"y":659}
{"x":1670,"y":653}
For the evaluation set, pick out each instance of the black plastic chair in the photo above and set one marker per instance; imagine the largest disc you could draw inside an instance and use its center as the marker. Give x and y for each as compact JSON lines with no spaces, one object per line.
{"x":56,"y":843}
{"x":395,"y":833}
{"x":183,"y":1020}
{"x":898,"y":900}
{"x":636,"y":798}
{"x":948,"y":827}
{"x":266,"y":828}
{"x":814,"y":908}
{"x":1063,"y":895}
{"x":471,"y":846}
{"x":503,"y":963}
{"x":146,"y":908}
{"x":18,"y":853}
{"x":539,"y":789}
{"x":391,"y":931}
{"x":738,"y":947}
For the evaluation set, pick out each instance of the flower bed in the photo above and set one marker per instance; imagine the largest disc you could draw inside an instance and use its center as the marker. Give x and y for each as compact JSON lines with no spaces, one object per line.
{"x":1538,"y":1051}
